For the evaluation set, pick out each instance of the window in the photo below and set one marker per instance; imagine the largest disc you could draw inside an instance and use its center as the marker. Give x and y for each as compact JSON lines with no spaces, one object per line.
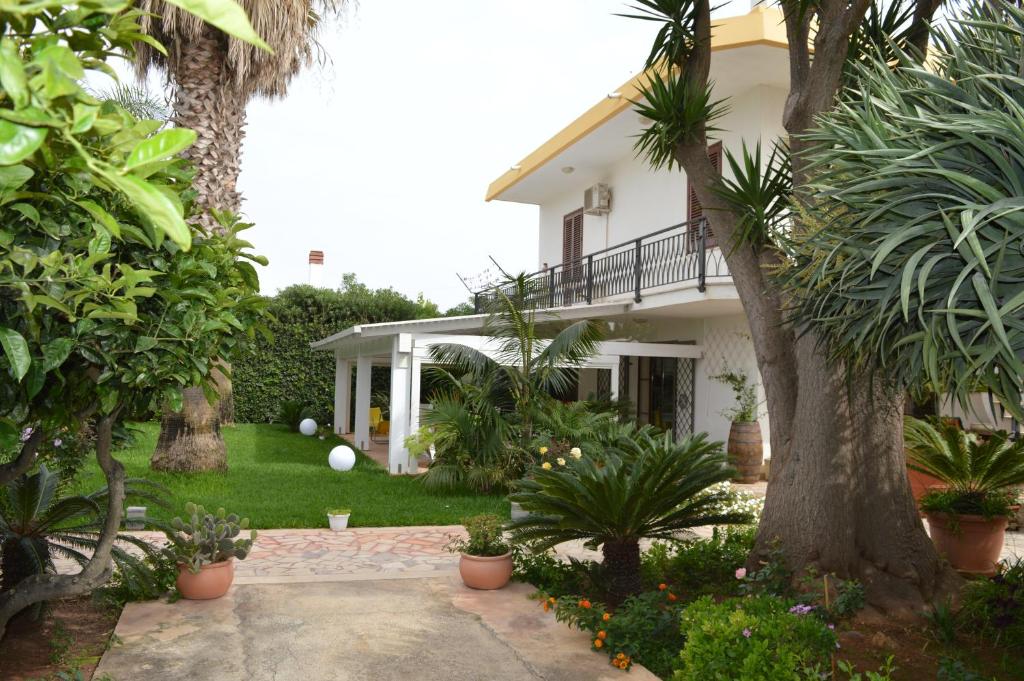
{"x":694,"y":209}
{"x":572,"y":238}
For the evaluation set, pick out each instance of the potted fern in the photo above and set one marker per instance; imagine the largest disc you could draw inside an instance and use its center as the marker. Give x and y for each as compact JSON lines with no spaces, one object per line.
{"x":970,"y":509}
{"x":486,"y":558}
{"x":205,"y":546}
{"x":745,"y":448}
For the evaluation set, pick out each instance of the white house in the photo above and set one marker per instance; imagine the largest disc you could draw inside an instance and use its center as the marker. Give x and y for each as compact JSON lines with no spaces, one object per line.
{"x":617,"y":242}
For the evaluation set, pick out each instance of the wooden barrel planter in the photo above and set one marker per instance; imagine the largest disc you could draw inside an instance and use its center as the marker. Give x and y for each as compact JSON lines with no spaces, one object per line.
{"x":746,"y":452}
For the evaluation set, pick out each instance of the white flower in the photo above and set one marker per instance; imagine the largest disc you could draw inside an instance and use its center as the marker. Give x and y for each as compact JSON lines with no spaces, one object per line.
{"x":546,"y":466}
{"x":575,"y":452}
{"x":561,"y":461}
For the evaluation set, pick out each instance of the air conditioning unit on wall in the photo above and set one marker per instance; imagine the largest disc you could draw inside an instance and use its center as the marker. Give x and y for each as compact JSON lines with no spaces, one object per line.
{"x":597,"y":200}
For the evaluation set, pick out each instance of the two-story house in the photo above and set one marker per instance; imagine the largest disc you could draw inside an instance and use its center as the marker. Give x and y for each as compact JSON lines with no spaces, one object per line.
{"x":620,"y":242}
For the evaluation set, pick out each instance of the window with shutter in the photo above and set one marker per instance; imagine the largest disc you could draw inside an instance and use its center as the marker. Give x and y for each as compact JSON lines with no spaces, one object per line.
{"x":693,"y":207}
{"x":572,"y":238}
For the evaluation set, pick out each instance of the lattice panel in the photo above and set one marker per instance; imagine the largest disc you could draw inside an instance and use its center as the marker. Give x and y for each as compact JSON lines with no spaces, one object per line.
{"x":685,"y":390}
{"x":604,"y":384}
{"x":728,"y":347}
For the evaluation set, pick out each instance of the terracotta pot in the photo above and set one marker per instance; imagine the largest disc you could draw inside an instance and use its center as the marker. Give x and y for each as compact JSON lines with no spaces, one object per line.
{"x":212,"y":581}
{"x":922,"y":483}
{"x":745,"y":450}
{"x":971,"y":543}
{"x":485,"y":572}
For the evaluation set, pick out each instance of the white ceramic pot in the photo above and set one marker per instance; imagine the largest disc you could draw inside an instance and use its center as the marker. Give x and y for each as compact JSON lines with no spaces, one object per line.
{"x":135,"y":518}
{"x":338,"y":522}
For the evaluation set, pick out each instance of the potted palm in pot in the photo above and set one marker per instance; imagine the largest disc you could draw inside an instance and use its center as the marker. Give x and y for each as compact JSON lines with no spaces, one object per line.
{"x":205,"y":546}
{"x":969,"y":511}
{"x":745,"y":448}
{"x":486,"y":560}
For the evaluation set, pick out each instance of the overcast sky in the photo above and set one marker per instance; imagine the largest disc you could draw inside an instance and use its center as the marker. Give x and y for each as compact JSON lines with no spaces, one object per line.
{"x":382,"y":159}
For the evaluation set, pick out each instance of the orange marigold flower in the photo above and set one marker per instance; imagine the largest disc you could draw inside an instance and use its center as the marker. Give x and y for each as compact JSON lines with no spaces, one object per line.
{"x":662,"y":586}
{"x":672,"y":597}
{"x":585,"y":603}
{"x":607,"y":616}
{"x":620,"y":656}
{"x":546,"y":606}
{"x":602,"y":635}
{"x":598,"y":643}
{"x":551,"y":600}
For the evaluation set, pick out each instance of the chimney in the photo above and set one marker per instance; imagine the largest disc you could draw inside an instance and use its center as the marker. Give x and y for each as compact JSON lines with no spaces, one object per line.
{"x":316,"y":268}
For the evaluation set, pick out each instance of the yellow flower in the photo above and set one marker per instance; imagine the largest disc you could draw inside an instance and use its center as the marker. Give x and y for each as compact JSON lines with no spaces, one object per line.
{"x":575,"y":452}
{"x":561,"y":461}
{"x":546,"y":466}
{"x":543,"y":450}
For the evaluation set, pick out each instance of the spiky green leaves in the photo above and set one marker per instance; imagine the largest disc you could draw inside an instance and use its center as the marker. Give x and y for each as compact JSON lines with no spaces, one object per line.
{"x":917,"y":263}
{"x":759,"y":192}
{"x":677,"y":35}
{"x":679,"y":112}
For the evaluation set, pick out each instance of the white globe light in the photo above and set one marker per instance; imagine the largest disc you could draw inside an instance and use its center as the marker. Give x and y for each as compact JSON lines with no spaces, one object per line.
{"x":307,"y":427}
{"x":342,"y":458}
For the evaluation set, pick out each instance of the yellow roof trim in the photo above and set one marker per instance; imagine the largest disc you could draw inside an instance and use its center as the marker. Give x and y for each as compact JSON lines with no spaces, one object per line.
{"x":762,"y":26}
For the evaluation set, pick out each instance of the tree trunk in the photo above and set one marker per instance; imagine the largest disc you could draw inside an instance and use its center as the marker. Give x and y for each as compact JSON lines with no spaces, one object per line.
{"x":190,"y":440}
{"x":622,"y":570}
{"x":46,"y":587}
{"x":839,"y":499}
{"x":206,"y":100}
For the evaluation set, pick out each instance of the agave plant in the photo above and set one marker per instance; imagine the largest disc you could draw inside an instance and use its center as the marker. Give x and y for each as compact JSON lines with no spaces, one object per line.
{"x":974,"y":469}
{"x":37,"y":526}
{"x":653,"y":487}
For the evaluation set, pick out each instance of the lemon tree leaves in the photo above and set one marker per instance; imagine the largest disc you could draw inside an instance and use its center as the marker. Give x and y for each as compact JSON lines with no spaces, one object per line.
{"x":161,"y":146}
{"x":155,"y":206}
{"x":16,"y":351}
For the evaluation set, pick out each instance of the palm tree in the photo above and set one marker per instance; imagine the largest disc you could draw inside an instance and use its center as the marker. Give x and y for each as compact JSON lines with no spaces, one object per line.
{"x":653,"y":488}
{"x":528,"y":366}
{"x":214,"y":77}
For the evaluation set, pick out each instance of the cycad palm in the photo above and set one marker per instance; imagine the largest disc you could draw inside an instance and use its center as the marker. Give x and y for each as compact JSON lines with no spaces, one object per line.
{"x":961,"y":460}
{"x":653,"y":488}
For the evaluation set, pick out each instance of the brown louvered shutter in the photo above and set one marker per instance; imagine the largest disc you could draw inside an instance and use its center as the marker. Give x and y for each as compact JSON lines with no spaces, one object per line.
{"x":572,"y":238}
{"x":693,"y":207}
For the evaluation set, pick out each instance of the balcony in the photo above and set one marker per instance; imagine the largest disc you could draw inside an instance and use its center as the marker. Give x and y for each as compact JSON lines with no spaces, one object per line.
{"x":674,"y":255}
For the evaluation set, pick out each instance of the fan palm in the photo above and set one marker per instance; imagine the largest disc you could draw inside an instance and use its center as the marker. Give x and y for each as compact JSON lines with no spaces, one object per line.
{"x":971,"y":467}
{"x":653,"y":487}
{"x":36,"y":525}
{"x":214,"y":76}
{"x":526,"y":365}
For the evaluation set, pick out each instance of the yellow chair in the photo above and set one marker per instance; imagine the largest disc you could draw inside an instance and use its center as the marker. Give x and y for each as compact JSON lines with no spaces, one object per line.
{"x":379,"y":428}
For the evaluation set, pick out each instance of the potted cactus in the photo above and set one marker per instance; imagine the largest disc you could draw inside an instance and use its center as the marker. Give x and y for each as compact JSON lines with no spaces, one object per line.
{"x":205,"y":546}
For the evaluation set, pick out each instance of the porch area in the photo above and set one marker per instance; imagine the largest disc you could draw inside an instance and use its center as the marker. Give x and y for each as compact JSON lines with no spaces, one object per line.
{"x":404,"y":348}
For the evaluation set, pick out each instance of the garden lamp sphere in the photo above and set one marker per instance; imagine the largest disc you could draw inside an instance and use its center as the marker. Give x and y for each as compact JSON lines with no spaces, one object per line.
{"x":342,"y":458}
{"x":307,"y":427}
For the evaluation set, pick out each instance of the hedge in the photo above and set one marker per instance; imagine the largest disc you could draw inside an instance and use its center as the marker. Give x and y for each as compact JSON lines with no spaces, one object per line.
{"x":284,"y":368}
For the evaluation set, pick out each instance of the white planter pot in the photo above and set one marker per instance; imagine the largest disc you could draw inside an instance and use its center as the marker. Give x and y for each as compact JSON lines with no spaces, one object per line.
{"x":338,"y":522}
{"x":135,"y":517}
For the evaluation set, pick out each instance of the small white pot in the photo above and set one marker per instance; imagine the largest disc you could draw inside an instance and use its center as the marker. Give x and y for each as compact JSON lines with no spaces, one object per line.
{"x":135,"y":518}
{"x":338,"y":522}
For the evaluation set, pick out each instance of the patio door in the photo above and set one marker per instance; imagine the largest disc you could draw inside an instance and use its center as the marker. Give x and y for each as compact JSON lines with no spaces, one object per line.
{"x":572,"y":257}
{"x":694,"y":210}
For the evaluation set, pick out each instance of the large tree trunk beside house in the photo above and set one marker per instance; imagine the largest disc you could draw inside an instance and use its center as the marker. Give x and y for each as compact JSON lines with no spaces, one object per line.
{"x":205,"y":101}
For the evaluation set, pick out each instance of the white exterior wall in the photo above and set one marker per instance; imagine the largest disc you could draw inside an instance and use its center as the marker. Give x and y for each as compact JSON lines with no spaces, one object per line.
{"x":644,"y":200}
{"x":726,"y":342}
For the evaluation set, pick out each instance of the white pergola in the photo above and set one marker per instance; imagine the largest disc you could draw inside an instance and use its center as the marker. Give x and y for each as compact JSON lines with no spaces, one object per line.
{"x":405,"y":348}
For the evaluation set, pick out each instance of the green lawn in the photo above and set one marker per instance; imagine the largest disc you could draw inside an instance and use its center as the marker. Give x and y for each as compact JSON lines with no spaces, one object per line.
{"x":281,"y":479}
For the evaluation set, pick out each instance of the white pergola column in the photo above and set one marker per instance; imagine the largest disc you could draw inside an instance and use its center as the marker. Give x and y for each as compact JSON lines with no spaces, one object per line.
{"x":362,"y":430}
{"x":342,"y":395}
{"x":414,"y":394}
{"x":615,"y":381}
{"x":401,"y":384}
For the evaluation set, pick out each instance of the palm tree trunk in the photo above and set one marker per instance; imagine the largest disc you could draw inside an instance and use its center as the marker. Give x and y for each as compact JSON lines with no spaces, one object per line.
{"x":207,"y":101}
{"x":622,"y":569}
{"x":190,"y":440}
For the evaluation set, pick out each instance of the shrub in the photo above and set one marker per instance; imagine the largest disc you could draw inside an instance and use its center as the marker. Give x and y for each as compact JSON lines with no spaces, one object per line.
{"x":485,"y":537}
{"x":282,"y":366}
{"x":291,"y":413}
{"x":698,"y":566}
{"x":643,"y":630}
{"x":655,"y":488}
{"x":994,"y":607}
{"x":751,"y":638}
{"x":556,"y":577}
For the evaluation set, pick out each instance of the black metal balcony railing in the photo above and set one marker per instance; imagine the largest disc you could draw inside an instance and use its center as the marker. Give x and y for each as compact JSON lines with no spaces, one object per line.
{"x":683,"y":252}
